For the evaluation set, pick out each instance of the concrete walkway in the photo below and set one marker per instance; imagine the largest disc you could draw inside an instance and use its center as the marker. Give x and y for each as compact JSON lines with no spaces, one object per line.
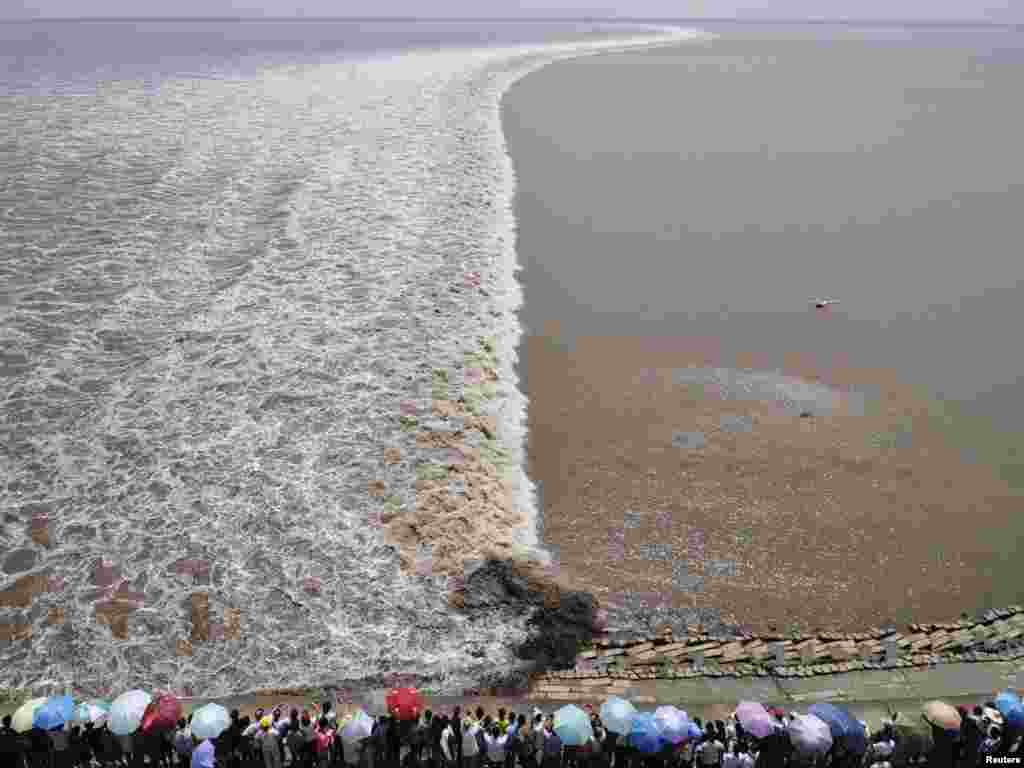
{"x":945,"y":681}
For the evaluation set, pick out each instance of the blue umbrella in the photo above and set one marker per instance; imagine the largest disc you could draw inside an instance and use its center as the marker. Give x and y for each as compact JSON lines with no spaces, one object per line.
{"x":617,"y":714}
{"x":572,"y":725}
{"x":54,"y":713}
{"x":845,"y":728}
{"x":644,"y":734}
{"x":693,"y":731}
{"x":1006,"y":702}
{"x":672,"y":723}
{"x":1014,"y":718}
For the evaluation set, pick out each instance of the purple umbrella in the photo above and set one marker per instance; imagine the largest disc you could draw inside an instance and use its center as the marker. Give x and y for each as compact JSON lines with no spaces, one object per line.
{"x":755,"y":719}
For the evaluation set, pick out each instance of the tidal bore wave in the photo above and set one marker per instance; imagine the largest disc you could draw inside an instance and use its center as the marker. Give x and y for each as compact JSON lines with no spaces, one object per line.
{"x":230,"y":309}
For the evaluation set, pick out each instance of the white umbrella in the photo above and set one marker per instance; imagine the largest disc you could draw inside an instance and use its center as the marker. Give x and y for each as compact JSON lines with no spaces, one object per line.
{"x":809,"y":735}
{"x":127,"y":711}
{"x":358,"y":728}
{"x":617,"y":714}
{"x":210,"y":721}
{"x":23,"y":715}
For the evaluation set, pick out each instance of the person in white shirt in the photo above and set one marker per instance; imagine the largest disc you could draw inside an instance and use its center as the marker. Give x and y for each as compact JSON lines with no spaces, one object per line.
{"x":470,"y":749}
{"x":447,"y":743}
{"x":254,"y":727}
{"x":496,"y":742}
{"x":882,"y":750}
{"x":709,"y":753}
{"x":686,"y":754}
{"x":732,"y":759}
{"x":746,"y":759}
{"x":730,"y":729}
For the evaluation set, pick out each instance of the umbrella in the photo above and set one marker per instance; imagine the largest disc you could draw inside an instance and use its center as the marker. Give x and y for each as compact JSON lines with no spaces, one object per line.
{"x":644,"y":735}
{"x":404,"y":703}
{"x":617,"y":714}
{"x":1012,"y":710}
{"x":56,"y":711}
{"x":24,"y":715}
{"x":809,"y":735}
{"x":693,"y":731}
{"x":127,"y":711}
{"x":572,"y":726}
{"x":942,"y":715}
{"x":1015,"y":718}
{"x":845,"y":728}
{"x":95,"y":711}
{"x":162,"y":714}
{"x":1006,"y":701}
{"x":755,"y":719}
{"x":672,"y":724}
{"x":358,"y":728}
{"x":210,"y":721}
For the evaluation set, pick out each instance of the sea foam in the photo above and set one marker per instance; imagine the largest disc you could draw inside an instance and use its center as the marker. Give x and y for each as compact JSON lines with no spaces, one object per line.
{"x":222,"y":295}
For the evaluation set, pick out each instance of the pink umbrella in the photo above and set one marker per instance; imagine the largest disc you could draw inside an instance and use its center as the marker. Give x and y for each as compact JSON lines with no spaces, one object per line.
{"x":755,"y":719}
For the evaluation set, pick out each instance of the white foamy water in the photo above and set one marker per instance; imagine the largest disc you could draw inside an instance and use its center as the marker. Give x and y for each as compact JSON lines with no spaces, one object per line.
{"x":218,"y":298}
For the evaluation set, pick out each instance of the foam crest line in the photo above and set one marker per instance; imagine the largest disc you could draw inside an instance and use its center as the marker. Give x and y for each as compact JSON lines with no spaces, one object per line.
{"x":259,"y":345}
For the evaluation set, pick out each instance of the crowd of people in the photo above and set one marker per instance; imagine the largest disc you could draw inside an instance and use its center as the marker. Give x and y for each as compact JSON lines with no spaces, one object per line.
{"x":477,"y":739}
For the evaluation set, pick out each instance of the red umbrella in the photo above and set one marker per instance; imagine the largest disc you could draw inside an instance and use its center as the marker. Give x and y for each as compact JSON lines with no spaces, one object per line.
{"x":404,"y":703}
{"x":162,"y":714}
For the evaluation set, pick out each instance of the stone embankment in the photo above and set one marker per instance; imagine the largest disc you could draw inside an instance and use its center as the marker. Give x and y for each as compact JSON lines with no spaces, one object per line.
{"x":612,"y":667}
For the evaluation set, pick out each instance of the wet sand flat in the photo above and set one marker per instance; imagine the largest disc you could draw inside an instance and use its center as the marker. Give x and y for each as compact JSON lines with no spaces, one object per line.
{"x":677,"y":210}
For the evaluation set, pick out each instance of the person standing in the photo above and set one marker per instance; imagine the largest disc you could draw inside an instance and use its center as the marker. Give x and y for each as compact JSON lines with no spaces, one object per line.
{"x":537,"y":733}
{"x":552,"y":745}
{"x":12,"y":746}
{"x":709,"y":753}
{"x":203,"y":755}
{"x":496,"y":743}
{"x":183,"y":745}
{"x":322,"y":743}
{"x":746,"y":759}
{"x":470,"y":744}
{"x":269,"y":744}
{"x":446,"y":744}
